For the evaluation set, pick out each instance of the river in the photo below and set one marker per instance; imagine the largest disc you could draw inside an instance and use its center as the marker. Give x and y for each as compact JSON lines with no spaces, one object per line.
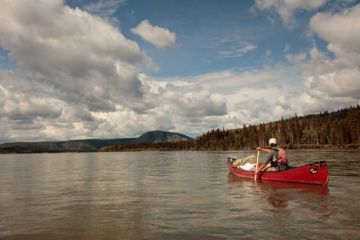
{"x":172,"y":195}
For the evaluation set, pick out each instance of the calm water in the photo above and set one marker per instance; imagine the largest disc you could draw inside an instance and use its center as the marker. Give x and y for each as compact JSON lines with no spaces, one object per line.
{"x":172,"y":195}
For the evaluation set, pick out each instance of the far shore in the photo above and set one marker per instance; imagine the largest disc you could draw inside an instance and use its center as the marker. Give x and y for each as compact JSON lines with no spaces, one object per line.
{"x":297,"y":147}
{"x":291,"y":147}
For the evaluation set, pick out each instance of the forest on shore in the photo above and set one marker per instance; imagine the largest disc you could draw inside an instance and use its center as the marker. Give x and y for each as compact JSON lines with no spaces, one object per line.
{"x":340,"y":128}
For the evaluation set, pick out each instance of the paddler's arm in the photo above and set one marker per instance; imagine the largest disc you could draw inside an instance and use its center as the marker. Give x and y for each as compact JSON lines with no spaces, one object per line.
{"x":263,"y":149}
{"x":268,"y":160}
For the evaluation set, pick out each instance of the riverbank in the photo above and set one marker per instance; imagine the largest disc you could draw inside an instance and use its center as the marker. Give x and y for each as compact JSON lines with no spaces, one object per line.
{"x":134,"y":148}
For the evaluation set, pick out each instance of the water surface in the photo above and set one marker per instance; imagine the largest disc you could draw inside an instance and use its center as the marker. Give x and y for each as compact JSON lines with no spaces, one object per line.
{"x":172,"y":195}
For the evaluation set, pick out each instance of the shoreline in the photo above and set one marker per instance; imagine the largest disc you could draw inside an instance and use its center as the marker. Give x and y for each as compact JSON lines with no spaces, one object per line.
{"x":287,"y":147}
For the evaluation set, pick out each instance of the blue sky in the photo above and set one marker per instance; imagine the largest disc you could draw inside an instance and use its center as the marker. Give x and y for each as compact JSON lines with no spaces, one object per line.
{"x":203,"y":31}
{"x":117,"y":68}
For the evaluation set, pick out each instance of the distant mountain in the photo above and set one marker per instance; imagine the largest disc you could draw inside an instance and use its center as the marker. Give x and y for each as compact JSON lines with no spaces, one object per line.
{"x":89,"y":145}
{"x":161,"y":136}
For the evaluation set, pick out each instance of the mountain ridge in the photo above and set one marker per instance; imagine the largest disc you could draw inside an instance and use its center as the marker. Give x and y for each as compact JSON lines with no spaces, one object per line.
{"x":89,"y":145}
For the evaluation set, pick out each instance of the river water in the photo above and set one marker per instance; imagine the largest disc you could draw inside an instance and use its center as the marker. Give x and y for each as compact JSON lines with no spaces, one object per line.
{"x":172,"y":195}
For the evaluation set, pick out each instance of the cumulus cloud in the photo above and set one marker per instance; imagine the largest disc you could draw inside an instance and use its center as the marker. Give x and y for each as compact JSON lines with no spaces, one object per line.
{"x":335,"y":80}
{"x":176,"y":108}
{"x":191,"y":101}
{"x":77,"y":76}
{"x":186,"y":104}
{"x":262,"y":103}
{"x":229,"y":81}
{"x":287,"y":8}
{"x":234,"y":97}
{"x":69,"y":64}
{"x":20,"y":100}
{"x":157,"y":36}
{"x":71,"y":50}
{"x":27,"y":112}
{"x":341,"y":31}
{"x":329,"y":81}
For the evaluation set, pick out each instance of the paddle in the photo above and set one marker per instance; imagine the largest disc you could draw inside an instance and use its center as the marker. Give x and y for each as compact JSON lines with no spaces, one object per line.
{"x":257,"y":163}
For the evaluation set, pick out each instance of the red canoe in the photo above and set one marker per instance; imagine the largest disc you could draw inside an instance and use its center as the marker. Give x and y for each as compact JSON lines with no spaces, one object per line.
{"x":313,"y":173}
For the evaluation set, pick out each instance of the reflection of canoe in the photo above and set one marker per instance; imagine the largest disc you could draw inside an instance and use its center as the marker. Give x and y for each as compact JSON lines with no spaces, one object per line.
{"x":275,"y":186}
{"x":313,"y":173}
{"x":288,"y":198}
{"x":301,"y":188}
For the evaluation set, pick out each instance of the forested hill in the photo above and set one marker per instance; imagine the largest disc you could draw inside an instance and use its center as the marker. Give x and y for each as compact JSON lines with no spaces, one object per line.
{"x":90,"y":145}
{"x":336,"y":128}
{"x":339,"y":128}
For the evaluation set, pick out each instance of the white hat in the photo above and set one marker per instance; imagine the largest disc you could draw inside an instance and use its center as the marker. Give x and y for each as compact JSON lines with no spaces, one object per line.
{"x":272,"y":141}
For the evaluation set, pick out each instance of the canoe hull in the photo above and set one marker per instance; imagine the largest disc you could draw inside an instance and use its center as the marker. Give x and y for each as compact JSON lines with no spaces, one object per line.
{"x":314,"y":173}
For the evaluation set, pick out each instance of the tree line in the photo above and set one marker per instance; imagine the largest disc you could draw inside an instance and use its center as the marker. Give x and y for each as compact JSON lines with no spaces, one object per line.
{"x":338,"y":128}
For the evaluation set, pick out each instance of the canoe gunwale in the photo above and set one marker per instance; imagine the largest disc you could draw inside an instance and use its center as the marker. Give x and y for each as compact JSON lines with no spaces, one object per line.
{"x":312,"y":173}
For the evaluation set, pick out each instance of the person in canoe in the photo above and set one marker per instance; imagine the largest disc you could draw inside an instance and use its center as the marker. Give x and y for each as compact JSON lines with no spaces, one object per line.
{"x":276,"y":159}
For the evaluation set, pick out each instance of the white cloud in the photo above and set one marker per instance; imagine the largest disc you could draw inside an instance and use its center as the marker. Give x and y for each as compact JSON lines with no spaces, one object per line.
{"x":340,"y":83}
{"x":286,"y":8}
{"x":269,"y":93}
{"x":335,"y":81}
{"x":70,"y":50}
{"x":20,"y":101}
{"x":329,"y":82}
{"x":192,"y":101}
{"x":176,"y":107}
{"x":77,"y":76}
{"x":28,"y":111}
{"x":341,"y":31}
{"x":157,"y":36}
{"x":104,"y":8}
{"x":69,"y":64}
{"x":238,"y":97}
{"x":229,"y":81}
{"x":238,"y":51}
{"x":262,"y":103}
{"x":232,"y":47}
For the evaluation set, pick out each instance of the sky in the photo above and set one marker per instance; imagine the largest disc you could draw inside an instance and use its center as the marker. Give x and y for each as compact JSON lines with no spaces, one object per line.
{"x":79,"y":69}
